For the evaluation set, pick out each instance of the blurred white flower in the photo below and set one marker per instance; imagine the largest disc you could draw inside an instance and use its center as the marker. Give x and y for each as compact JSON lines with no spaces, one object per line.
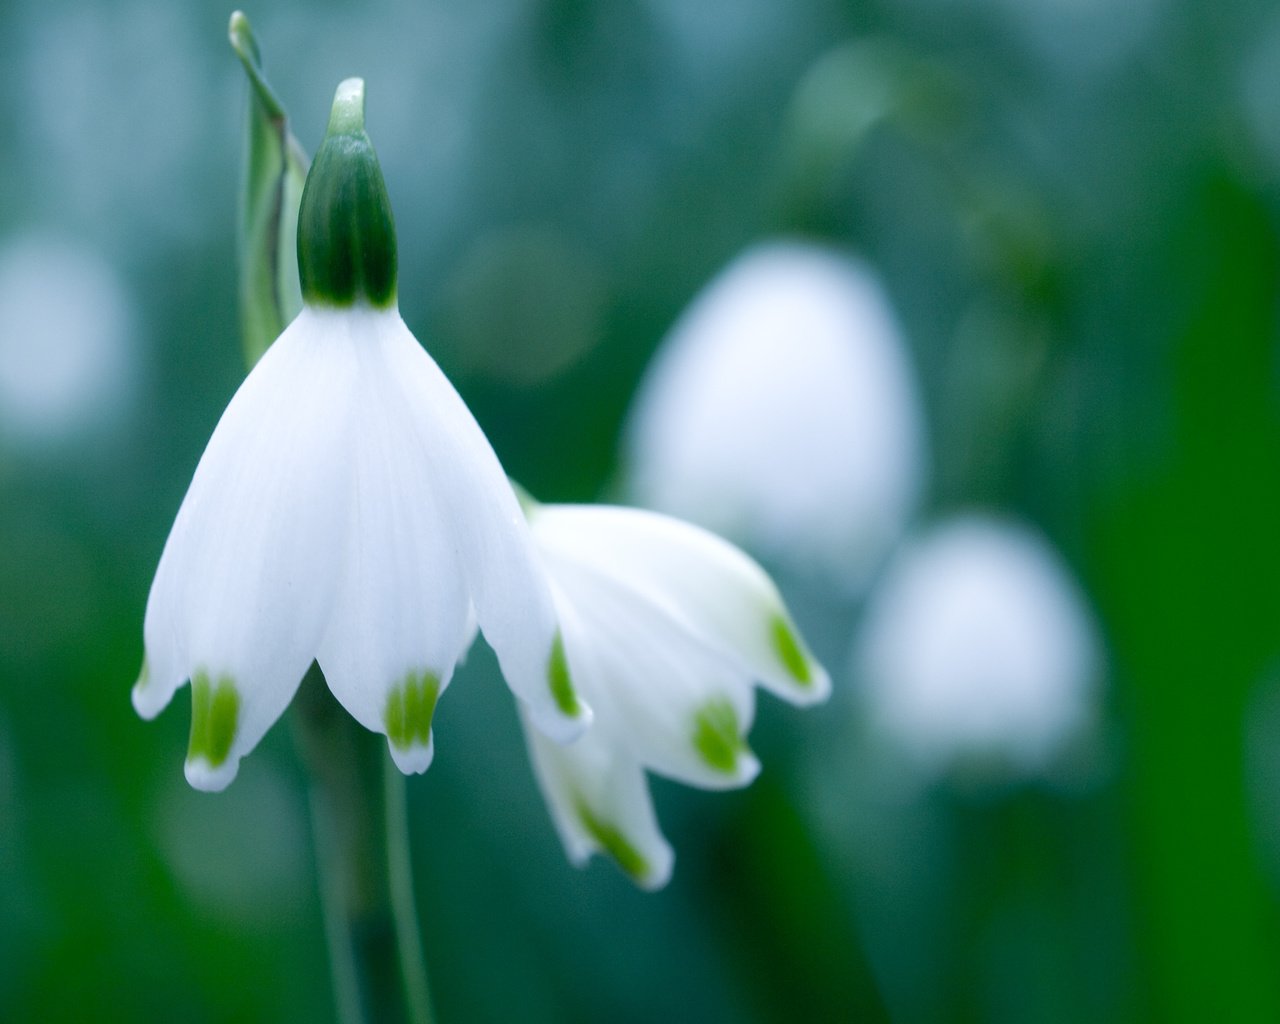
{"x":781,"y":411}
{"x":666,"y":629}
{"x":979,"y":642}
{"x":67,"y":362}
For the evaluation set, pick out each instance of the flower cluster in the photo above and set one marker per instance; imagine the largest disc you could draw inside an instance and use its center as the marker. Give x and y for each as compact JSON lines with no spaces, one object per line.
{"x":349,"y":510}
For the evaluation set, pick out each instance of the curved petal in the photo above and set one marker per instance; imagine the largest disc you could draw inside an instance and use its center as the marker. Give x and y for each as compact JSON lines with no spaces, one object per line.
{"x":512,"y":599}
{"x":683,"y":711}
{"x":241,"y":594}
{"x":711,"y":588}
{"x":402,"y":615}
{"x":599,"y":800}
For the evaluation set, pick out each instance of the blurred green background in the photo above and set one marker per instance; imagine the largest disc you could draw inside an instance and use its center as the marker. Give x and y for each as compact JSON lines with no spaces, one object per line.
{"x":1073,"y":207}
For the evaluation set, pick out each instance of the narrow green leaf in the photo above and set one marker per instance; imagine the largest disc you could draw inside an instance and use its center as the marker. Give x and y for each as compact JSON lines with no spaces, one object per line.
{"x":274,"y":174}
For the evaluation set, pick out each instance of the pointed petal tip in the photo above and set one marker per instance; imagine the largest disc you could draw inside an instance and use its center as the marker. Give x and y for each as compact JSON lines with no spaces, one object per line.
{"x":738,"y":775}
{"x":649,"y":873}
{"x":821,"y":688}
{"x":656,"y":879}
{"x":209,"y":779}
{"x":415,"y":758}
{"x":719,"y":740}
{"x":658,"y":869}
{"x":145,"y":701}
{"x":647,"y":864}
{"x":559,"y":726}
{"x":148,"y":698}
{"x":815,"y":690}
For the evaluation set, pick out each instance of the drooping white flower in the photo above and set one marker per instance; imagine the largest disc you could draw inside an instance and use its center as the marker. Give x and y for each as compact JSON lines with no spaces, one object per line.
{"x":978,"y":641}
{"x":347,"y":509}
{"x":666,"y":630}
{"x":781,"y":411}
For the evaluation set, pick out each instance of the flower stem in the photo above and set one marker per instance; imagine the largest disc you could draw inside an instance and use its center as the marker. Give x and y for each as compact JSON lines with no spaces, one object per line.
{"x":360,"y":825}
{"x":403,"y":905}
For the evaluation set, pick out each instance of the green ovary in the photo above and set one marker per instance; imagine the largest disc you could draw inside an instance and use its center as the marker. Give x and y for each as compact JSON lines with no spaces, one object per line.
{"x":215,"y":715}
{"x":410,"y":708}
{"x":717,"y":735}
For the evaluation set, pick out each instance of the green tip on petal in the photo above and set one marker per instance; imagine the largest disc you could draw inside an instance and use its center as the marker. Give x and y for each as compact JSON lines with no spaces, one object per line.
{"x":613,"y":843}
{"x":717,"y":736}
{"x":215,"y":714}
{"x":786,"y":645}
{"x":410,"y":709}
{"x":560,"y":681}
{"x":346,"y":234}
{"x":144,"y":675}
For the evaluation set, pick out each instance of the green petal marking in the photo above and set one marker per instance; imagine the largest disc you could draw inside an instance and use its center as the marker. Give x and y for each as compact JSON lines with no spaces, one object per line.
{"x":410,"y":708}
{"x":559,"y":680}
{"x":144,"y":675}
{"x":786,"y":645}
{"x":215,"y":715}
{"x":611,"y":840}
{"x":717,"y":735}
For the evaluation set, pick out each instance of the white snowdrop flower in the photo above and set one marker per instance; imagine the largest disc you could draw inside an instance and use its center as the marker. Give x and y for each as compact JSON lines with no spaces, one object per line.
{"x":781,"y":411}
{"x":66,"y":363}
{"x":347,"y":509}
{"x":666,"y":630}
{"x":979,"y":642}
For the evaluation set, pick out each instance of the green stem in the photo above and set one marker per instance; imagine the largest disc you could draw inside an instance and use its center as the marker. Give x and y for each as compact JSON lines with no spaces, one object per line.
{"x":403,"y":905}
{"x":362,"y":857}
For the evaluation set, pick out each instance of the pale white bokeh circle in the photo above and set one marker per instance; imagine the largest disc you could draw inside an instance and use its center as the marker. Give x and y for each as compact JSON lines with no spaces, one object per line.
{"x":66,"y":347}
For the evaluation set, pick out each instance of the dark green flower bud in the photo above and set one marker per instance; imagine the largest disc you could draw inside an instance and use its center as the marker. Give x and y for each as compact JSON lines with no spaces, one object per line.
{"x":346,"y":236}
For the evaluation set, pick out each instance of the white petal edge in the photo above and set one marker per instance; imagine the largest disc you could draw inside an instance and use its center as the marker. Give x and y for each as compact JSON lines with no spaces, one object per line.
{"x":240,"y":593}
{"x":508,"y":587}
{"x":682,"y":711}
{"x":712,"y":588}
{"x":599,"y":800}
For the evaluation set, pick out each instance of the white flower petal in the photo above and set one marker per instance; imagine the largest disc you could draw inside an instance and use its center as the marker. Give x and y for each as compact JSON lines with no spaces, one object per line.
{"x":600,"y":802}
{"x":402,"y":616}
{"x":715,"y":591}
{"x":781,"y":411}
{"x":979,"y":642}
{"x":240,"y":597}
{"x":512,"y":600}
{"x":684,"y":711}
